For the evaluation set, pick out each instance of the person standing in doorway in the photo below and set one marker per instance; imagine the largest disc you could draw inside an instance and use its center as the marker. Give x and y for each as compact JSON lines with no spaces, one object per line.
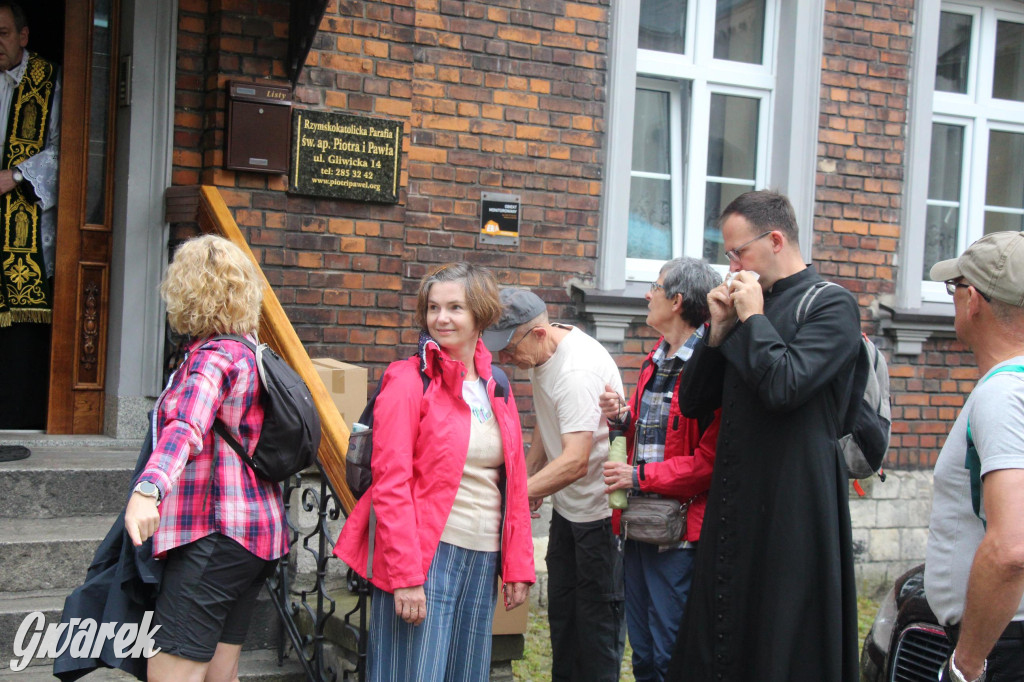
{"x":30,"y":121}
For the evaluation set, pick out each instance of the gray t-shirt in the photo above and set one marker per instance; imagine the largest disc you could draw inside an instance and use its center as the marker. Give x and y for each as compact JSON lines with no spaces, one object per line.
{"x":566,"y":389}
{"x":996,"y":410}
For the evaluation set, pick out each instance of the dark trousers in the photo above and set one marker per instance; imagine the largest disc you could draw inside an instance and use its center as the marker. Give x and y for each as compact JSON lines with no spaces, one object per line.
{"x":585,"y":601}
{"x":24,"y":375}
{"x":657,"y":585}
{"x":1006,"y":660}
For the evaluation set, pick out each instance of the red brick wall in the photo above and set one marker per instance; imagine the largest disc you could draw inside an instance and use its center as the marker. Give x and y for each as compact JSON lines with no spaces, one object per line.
{"x":503,"y":98}
{"x":510,"y":97}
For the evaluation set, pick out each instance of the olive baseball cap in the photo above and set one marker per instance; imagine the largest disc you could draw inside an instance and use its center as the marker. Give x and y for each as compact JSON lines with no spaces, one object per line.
{"x":518,"y":306}
{"x":994,"y":265}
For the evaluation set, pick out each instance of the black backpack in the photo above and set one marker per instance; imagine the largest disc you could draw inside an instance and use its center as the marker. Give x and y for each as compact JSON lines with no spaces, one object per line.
{"x":868,"y":424}
{"x":358,"y":473}
{"x":290,"y":436}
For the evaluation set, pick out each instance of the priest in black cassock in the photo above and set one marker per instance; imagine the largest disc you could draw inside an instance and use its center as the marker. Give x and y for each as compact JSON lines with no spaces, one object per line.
{"x":773,"y":596}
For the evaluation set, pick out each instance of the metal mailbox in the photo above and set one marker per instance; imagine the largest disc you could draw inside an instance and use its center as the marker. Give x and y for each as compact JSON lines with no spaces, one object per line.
{"x":258,"y":127}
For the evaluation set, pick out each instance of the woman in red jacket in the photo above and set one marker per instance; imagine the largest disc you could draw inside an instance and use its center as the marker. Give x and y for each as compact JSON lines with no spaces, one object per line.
{"x":668,"y":455}
{"x":447,"y":509}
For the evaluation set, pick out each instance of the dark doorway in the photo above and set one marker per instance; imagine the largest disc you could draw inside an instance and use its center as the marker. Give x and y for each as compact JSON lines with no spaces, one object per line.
{"x":46,"y":28}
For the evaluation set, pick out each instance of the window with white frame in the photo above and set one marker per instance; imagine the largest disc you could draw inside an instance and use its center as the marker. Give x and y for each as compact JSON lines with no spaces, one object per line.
{"x":976,"y":163}
{"x":703,"y":108}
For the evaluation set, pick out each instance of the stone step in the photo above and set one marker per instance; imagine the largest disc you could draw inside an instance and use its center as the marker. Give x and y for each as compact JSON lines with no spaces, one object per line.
{"x":254,"y":666}
{"x":67,"y":481}
{"x":45,"y":554}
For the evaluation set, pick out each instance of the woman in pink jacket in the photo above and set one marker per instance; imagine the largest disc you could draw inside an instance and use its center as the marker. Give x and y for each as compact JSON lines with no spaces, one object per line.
{"x":448,"y":507}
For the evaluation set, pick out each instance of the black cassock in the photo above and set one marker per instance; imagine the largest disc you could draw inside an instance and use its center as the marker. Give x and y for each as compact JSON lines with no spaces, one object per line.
{"x":773,"y":596}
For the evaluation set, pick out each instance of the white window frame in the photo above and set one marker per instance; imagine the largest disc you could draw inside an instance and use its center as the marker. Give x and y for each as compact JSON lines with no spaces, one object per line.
{"x":789,"y":129}
{"x":976,"y":110}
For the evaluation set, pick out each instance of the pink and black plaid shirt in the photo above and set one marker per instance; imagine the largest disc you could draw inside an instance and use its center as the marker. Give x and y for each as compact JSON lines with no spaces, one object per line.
{"x":218,"y":381}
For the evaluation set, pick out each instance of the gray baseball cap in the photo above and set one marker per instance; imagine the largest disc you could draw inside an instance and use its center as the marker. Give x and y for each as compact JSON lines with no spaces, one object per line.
{"x":994,"y":265}
{"x":518,"y":306}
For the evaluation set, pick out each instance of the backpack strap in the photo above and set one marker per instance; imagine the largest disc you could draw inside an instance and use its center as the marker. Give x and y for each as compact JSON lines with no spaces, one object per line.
{"x":218,"y":426}
{"x":501,"y":388}
{"x":972,"y":461}
{"x":808,"y":298}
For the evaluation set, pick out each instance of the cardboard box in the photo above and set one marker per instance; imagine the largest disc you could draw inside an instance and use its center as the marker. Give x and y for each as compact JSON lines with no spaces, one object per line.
{"x":347,"y":385}
{"x":509,"y":622}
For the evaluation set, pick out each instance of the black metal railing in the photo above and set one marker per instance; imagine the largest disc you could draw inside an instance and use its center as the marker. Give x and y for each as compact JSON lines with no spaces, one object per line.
{"x":303,"y":600}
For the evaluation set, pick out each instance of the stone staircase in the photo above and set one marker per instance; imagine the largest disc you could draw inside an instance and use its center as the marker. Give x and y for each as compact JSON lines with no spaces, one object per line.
{"x":55,"y":508}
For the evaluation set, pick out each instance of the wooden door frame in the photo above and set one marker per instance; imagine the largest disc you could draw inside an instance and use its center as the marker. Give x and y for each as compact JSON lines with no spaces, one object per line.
{"x":82,"y":282}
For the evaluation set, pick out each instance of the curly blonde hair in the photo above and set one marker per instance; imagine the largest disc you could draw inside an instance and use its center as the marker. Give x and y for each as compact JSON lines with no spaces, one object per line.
{"x":212,"y":287}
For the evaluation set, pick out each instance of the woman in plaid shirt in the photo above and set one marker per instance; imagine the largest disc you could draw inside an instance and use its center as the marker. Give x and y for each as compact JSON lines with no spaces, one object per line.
{"x":216,"y":524}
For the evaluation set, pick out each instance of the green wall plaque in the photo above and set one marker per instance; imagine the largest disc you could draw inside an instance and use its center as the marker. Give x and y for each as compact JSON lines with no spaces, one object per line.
{"x":346,"y":157}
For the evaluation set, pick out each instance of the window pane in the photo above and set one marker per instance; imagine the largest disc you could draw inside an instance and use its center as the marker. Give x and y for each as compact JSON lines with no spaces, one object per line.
{"x":940,"y":235}
{"x":650,"y":219}
{"x":732,"y":145}
{"x":739,"y":31}
{"x":954,"y":52}
{"x":663,"y":25}
{"x":1008,"y":74}
{"x":650,"y":131}
{"x":999,"y":222}
{"x":946,"y":162}
{"x":99,"y":99}
{"x":1005,"y":170}
{"x":717,"y":197}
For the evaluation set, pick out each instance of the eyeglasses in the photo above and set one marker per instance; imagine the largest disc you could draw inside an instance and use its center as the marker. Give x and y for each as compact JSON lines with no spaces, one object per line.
{"x":953,"y":284}
{"x":734,"y":254}
{"x":656,"y":285}
{"x":512,"y":350}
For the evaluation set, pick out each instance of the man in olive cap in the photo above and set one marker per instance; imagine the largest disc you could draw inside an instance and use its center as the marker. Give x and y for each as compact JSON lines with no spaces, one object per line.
{"x":974,"y":571}
{"x":569,"y":370}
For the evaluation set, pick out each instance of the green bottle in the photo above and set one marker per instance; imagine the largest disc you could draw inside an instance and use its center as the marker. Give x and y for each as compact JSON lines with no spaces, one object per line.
{"x":617,"y":453}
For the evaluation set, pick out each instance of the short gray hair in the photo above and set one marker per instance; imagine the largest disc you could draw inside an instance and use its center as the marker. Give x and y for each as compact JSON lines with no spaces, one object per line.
{"x":693,"y":278}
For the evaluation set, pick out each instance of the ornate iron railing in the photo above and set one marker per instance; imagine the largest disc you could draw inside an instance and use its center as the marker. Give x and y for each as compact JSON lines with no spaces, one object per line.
{"x":303,"y":599}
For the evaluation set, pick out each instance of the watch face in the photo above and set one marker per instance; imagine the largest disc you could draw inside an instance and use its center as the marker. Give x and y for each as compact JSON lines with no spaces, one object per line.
{"x":147,"y":488}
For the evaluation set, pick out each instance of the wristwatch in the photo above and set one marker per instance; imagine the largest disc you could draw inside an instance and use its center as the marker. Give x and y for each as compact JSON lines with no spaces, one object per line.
{"x":17,"y":175}
{"x":149,"y":490}
{"x":950,"y":673}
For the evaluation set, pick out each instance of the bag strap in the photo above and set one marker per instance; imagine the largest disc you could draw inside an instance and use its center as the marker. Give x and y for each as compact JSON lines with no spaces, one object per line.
{"x":502,"y":388}
{"x":808,"y":298}
{"x":857,"y":389}
{"x":972,"y":461}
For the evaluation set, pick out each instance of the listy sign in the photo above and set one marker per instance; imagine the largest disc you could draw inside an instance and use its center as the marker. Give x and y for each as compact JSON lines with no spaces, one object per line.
{"x":346,"y":157}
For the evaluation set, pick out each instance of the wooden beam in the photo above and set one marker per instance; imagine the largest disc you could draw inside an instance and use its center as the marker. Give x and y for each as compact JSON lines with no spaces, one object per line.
{"x":276,"y":330}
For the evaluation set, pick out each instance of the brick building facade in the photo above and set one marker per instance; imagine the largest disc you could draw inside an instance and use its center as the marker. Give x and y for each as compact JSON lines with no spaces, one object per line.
{"x":536,"y":98}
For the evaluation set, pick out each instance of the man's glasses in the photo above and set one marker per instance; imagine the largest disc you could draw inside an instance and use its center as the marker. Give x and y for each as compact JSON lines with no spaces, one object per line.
{"x":953,"y":284}
{"x":657,"y":285}
{"x":512,"y":350}
{"x":734,"y":254}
